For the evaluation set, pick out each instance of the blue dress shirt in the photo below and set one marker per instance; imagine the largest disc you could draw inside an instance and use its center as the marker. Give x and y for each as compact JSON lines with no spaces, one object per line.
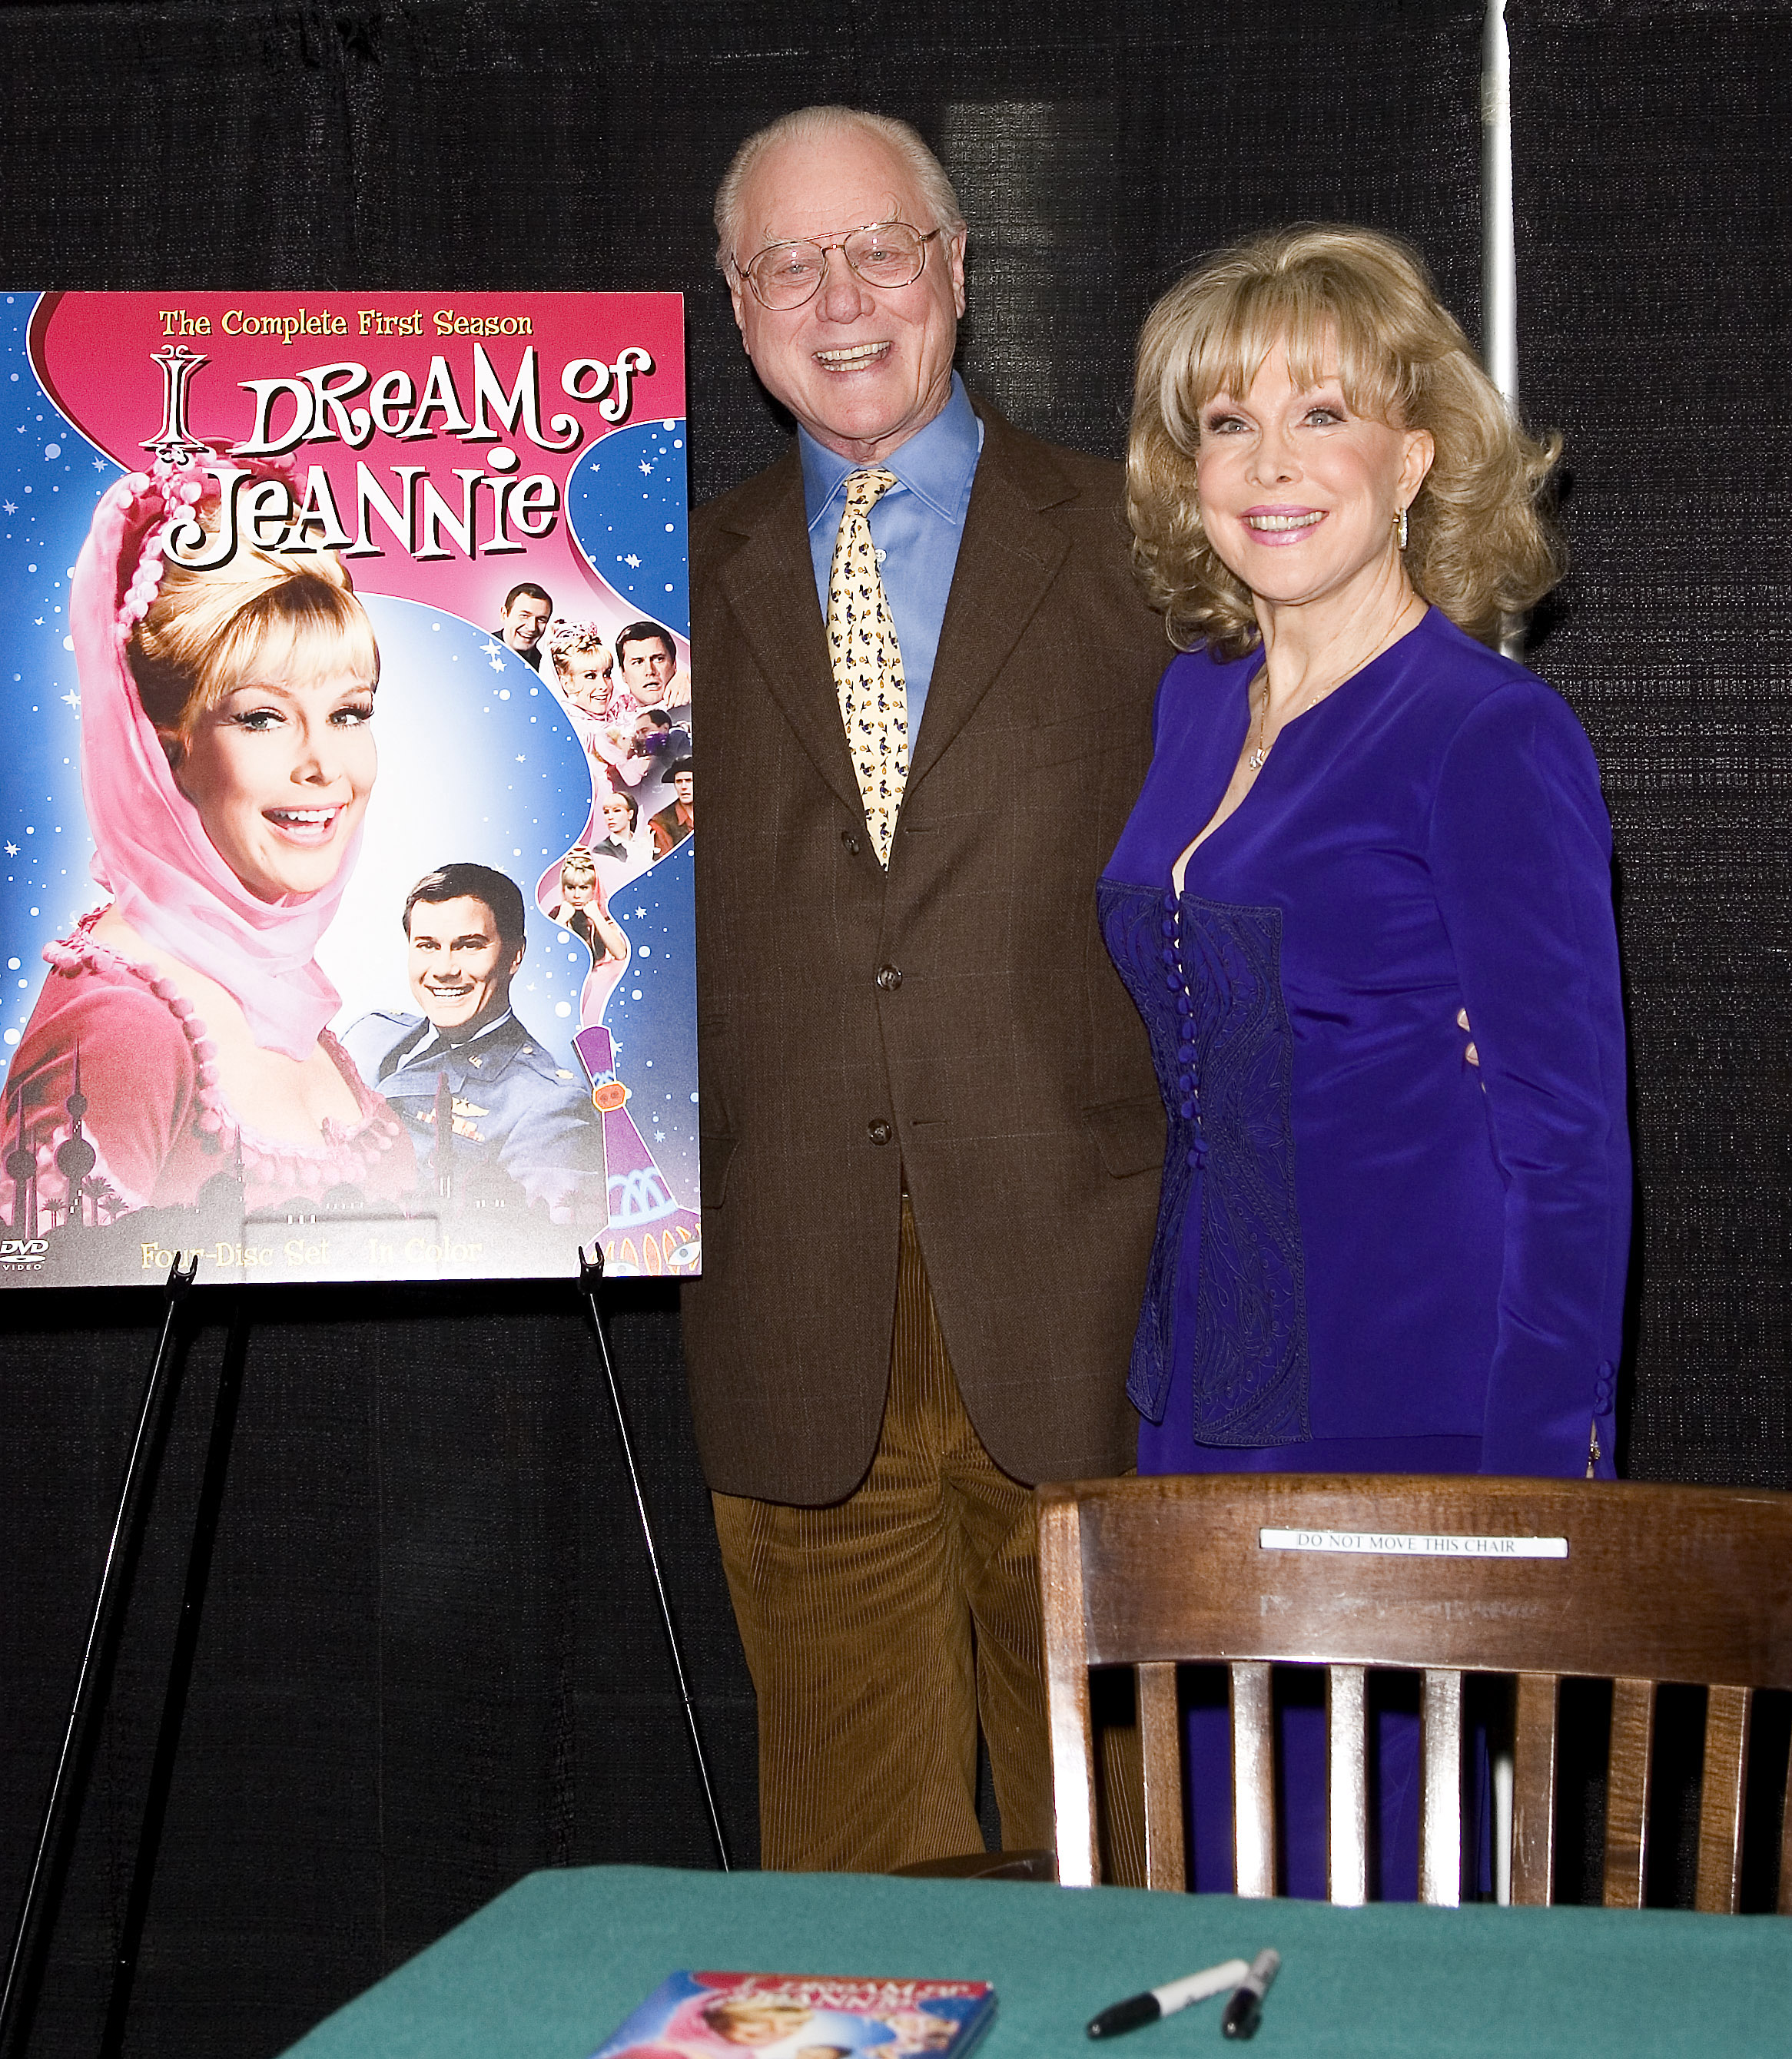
{"x":917,"y":527}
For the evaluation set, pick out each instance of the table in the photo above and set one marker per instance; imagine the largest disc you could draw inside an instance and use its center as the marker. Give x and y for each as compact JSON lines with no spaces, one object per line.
{"x":552,"y":1967}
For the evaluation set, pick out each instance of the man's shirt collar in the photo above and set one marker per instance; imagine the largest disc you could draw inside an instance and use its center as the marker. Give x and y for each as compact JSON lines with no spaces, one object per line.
{"x":432,"y":1040}
{"x":937,"y":464}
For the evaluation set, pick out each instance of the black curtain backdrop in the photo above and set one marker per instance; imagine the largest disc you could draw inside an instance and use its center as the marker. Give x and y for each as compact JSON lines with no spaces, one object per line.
{"x":1653,"y":211}
{"x":428,"y":1660}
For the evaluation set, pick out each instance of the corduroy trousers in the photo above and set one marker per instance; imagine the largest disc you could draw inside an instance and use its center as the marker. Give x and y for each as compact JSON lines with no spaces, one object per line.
{"x":880,"y":1631}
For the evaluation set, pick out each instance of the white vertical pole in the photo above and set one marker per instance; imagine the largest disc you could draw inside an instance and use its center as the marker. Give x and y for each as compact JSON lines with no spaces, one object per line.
{"x":1499,"y":275}
{"x":1499,"y":256}
{"x":1499,"y":356}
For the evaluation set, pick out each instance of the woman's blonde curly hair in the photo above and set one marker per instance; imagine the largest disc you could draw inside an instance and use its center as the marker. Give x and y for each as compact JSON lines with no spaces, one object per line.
{"x":207,"y":632}
{"x":1481,"y":544}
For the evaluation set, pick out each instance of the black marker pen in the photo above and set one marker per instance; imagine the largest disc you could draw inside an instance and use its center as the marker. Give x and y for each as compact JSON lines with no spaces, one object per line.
{"x":1137,"y":2010}
{"x":1244,"y":2011}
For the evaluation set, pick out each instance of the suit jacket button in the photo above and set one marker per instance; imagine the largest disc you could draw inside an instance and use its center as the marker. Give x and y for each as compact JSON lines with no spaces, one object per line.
{"x":890,"y":978}
{"x":879,"y":1132}
{"x":850,"y":841}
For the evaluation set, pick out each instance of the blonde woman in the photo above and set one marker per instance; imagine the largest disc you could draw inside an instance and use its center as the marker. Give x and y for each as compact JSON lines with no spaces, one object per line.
{"x":1362,"y":828}
{"x":227,"y":757}
{"x":581,"y":910}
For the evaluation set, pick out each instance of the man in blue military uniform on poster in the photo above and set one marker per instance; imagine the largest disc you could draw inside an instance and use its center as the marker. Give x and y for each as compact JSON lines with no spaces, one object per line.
{"x":524,"y":1130}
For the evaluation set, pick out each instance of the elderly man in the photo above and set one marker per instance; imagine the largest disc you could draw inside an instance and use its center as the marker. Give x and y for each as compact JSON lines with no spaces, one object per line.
{"x":931,"y":1129}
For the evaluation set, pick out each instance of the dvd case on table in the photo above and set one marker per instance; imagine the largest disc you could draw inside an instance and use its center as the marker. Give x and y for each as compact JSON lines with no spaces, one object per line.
{"x":803,"y":2016}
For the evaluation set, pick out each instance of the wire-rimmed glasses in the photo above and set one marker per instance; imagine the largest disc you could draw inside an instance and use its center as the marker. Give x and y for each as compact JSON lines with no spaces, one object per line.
{"x":885,"y":254}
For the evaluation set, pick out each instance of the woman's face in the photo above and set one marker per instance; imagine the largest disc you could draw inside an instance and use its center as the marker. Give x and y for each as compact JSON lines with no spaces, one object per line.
{"x":279,"y":771}
{"x":586,"y":677}
{"x":577,"y":891}
{"x":1298,"y":494}
{"x":616,"y":822}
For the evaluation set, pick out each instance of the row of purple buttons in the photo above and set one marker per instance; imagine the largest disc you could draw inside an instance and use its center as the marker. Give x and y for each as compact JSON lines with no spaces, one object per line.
{"x":1186,"y":1078}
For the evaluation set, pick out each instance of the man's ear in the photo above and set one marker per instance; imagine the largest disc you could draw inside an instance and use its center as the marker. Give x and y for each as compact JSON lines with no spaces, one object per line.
{"x":735,"y":290}
{"x":518,"y":959}
{"x":960,"y":238}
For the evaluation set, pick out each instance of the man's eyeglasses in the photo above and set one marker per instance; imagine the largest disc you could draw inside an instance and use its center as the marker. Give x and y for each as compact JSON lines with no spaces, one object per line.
{"x":883,"y":253}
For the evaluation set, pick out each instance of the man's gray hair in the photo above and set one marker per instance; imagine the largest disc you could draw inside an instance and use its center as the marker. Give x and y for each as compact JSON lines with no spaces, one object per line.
{"x":810,"y":125}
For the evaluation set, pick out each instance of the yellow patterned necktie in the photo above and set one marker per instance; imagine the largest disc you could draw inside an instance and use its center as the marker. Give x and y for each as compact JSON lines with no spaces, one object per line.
{"x":867,"y":663}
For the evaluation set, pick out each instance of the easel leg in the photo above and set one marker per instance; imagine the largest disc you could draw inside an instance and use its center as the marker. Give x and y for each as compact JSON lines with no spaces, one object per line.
{"x":37,"y":1921}
{"x":179,"y":1676}
{"x":591,"y":1278}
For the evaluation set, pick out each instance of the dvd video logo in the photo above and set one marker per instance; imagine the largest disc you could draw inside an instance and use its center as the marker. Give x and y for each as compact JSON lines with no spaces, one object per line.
{"x":20,"y":1254}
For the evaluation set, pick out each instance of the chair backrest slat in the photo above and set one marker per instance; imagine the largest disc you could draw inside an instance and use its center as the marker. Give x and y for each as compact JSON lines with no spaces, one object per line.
{"x":1440,"y":1797}
{"x":1533,"y":1788}
{"x":1347,"y":1723}
{"x":1626,"y":1792}
{"x":1719,"y":1877}
{"x":1159,"y":1724}
{"x":1069,"y":1714}
{"x":1254,"y":1782}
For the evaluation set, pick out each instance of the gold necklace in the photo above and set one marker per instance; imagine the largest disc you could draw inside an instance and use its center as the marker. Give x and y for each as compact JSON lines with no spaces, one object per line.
{"x":1260,"y":720}
{"x":1260,"y":725}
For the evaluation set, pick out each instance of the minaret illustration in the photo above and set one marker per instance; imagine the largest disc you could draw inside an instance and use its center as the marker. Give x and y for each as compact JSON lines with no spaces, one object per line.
{"x":649,"y":1232}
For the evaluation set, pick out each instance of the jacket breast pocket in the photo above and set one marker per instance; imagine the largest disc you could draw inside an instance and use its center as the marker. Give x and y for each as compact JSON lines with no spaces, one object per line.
{"x":1085,"y":735}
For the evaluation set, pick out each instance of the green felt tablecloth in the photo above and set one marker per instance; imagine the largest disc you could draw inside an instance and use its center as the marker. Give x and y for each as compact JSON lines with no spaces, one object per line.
{"x":550,"y":1969}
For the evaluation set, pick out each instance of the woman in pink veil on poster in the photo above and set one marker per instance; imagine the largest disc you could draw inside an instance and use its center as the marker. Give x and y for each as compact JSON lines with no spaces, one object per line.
{"x":227,"y":757}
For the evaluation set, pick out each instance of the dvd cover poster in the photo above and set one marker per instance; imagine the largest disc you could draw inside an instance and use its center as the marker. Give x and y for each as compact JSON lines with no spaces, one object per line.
{"x":347,"y":816}
{"x":798,"y":2016}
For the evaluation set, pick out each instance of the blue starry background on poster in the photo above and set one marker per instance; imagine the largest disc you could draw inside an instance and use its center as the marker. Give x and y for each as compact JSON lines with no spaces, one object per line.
{"x":651,"y":1013}
{"x":626,"y":499}
{"x":50,"y":476}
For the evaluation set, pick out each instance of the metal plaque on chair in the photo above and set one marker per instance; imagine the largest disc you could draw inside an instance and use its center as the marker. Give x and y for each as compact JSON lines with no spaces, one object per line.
{"x":1411,"y":1544}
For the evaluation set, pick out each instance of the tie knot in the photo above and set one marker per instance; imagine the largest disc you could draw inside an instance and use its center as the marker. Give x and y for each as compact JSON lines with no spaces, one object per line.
{"x":865,"y":489}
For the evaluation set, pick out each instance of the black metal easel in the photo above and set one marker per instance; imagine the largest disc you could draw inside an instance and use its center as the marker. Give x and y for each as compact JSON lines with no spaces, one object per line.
{"x":180,"y":1678}
{"x":31,"y":1941}
{"x":30,"y":1948}
{"x":591,"y":1278}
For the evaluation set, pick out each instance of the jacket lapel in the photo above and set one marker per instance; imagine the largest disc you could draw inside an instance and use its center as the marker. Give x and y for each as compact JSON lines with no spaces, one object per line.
{"x":770,"y":585}
{"x":1007,"y":562}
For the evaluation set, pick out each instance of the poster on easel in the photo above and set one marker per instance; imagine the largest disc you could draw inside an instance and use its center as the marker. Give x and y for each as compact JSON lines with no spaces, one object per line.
{"x":347,"y":815}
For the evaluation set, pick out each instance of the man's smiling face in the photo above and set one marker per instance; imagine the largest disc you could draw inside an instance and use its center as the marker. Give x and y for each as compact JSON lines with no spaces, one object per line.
{"x":460,"y":968}
{"x":861,"y":368}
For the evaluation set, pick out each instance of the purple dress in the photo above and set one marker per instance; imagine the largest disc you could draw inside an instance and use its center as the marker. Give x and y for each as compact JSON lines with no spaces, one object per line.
{"x":1371,"y":1255}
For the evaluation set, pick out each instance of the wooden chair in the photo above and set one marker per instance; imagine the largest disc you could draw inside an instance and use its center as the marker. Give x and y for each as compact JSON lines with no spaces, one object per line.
{"x":1647,"y":1584}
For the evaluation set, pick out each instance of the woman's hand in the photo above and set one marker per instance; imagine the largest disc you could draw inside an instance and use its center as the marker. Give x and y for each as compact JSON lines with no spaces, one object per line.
{"x":610,"y":930}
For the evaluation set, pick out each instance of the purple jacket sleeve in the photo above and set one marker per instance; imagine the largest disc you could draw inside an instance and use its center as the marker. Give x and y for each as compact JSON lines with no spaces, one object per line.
{"x":1521,"y":858}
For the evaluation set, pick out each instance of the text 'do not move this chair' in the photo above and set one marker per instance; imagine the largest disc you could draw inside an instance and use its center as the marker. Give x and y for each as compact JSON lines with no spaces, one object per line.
{"x":1634,"y":1583}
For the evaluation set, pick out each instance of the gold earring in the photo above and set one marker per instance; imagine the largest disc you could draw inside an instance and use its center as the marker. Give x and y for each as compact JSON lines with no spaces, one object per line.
{"x":1399,"y":523}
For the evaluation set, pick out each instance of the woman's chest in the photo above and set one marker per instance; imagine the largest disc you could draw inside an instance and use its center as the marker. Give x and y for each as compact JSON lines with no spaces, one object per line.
{"x":284,"y":1099}
{"x":1328,"y":857}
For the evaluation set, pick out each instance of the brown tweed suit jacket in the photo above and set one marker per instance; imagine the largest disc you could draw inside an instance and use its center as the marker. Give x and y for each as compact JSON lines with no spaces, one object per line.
{"x":958,"y":1019}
